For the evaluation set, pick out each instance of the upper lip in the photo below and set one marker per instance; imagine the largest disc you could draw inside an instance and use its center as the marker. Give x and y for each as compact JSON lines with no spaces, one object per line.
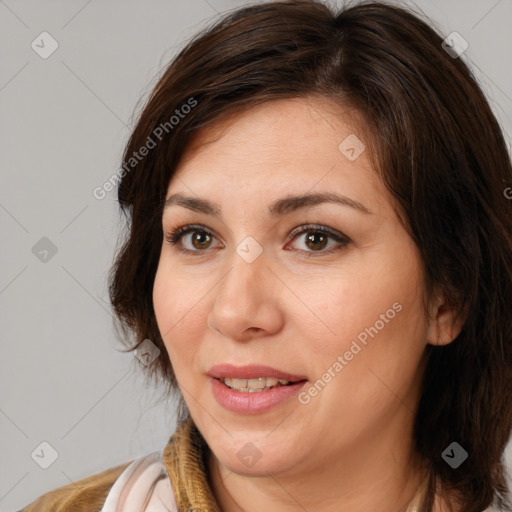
{"x":252,"y":371}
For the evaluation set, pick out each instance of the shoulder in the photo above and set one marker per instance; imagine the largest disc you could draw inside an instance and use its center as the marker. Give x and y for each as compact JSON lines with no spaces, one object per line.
{"x":87,"y":494}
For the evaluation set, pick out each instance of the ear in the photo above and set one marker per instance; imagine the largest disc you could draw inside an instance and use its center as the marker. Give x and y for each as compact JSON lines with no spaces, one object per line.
{"x":443,"y":327}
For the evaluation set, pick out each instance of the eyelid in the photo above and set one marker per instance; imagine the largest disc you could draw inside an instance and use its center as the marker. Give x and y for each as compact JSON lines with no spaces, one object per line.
{"x":317,"y":227}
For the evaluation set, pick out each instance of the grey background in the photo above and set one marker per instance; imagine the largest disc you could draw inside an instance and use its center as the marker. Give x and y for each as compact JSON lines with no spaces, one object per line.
{"x":63,"y":124}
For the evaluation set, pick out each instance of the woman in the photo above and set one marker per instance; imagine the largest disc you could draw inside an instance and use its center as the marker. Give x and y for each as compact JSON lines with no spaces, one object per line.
{"x":320,"y":265}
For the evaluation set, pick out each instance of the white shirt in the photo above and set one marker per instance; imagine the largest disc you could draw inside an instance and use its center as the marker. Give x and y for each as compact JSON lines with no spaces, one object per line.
{"x":144,"y":486}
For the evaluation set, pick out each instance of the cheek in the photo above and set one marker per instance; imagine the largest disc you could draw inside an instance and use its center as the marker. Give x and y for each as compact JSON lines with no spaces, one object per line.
{"x":170,"y":305}
{"x":379,"y":354}
{"x":371,"y":310}
{"x":180,"y":306}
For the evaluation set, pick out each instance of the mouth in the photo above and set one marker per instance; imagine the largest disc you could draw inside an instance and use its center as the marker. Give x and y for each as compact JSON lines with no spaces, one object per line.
{"x":251,"y":389}
{"x":254,"y":376}
{"x":256,"y":385}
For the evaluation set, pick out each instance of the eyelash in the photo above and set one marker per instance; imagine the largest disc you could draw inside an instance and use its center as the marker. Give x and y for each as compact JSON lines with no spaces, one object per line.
{"x":174,"y":236}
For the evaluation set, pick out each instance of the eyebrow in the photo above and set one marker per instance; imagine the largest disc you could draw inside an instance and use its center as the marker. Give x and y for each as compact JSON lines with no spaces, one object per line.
{"x":278,"y":208}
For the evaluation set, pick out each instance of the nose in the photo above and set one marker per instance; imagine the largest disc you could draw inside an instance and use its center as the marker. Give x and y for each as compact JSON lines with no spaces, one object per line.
{"x":246,"y":304}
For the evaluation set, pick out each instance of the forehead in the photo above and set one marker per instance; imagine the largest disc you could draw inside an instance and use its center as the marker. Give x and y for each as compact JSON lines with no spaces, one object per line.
{"x":277,"y":149}
{"x":291,"y":137}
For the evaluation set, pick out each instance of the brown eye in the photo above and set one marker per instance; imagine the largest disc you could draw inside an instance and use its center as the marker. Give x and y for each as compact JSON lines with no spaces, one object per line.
{"x":200,"y":239}
{"x":316,"y":240}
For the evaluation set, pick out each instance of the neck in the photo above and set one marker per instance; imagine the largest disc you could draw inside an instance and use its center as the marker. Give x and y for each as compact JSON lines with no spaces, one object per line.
{"x":368,"y":478}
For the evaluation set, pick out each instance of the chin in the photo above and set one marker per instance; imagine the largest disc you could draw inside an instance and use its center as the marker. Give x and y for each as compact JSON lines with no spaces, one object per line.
{"x":261,"y":468}
{"x":249,"y":457}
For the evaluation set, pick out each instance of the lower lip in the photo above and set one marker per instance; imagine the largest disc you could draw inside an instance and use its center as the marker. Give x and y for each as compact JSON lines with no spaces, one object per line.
{"x":243,"y":402}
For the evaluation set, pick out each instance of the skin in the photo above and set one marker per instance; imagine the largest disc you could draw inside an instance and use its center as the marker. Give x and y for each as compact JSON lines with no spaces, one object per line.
{"x":350,"y":447}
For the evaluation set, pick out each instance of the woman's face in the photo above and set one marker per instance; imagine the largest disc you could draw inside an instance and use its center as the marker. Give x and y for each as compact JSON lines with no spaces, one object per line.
{"x":341,"y":309}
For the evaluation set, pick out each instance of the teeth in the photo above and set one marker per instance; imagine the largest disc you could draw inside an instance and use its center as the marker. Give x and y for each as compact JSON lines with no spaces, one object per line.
{"x":254,"y":385}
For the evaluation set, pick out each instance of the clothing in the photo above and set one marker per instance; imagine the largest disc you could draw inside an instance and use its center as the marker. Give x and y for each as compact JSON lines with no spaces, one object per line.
{"x":170,"y":480}
{"x":143,"y":485}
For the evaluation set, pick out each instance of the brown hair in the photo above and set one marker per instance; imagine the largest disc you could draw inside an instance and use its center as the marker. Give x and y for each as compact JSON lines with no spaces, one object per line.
{"x":439,"y":150}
